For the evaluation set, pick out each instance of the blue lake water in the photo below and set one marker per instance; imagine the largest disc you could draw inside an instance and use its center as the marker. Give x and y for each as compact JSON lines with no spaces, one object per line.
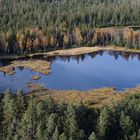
{"x":85,"y":72}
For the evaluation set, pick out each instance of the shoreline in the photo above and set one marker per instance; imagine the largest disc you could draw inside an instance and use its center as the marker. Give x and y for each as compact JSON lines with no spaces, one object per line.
{"x":31,"y":61}
{"x":73,"y":52}
{"x":40,"y":66}
{"x":93,"y":98}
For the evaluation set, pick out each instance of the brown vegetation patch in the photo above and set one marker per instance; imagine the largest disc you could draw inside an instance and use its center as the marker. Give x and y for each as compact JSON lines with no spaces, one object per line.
{"x":7,"y":69}
{"x":35,"y":87}
{"x":35,"y":65}
{"x":85,"y":50}
{"x":93,"y":98}
{"x":36,"y":77}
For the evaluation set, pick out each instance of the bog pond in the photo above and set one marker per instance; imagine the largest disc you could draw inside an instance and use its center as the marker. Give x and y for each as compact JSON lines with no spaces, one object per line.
{"x":84,"y":72}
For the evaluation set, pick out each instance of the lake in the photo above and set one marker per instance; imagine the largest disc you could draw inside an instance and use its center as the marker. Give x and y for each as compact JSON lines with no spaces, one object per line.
{"x":84,"y":72}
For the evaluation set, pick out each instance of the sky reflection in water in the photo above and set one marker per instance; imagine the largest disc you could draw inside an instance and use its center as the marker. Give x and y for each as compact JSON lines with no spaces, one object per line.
{"x":85,"y":72}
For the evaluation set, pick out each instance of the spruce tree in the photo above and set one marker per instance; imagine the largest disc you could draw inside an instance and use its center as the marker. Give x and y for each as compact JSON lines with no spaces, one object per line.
{"x":20,"y":103}
{"x":9,"y":115}
{"x":72,"y":130}
{"x":52,"y":124}
{"x":103,"y":123}
{"x":29,"y":121}
{"x":126,"y":125}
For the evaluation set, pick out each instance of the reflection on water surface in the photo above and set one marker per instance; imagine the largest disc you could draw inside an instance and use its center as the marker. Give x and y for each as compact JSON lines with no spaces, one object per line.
{"x":83,"y":72}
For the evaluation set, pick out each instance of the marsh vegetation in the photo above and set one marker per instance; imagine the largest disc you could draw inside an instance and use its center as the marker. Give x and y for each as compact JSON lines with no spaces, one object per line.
{"x":62,"y":53}
{"x":28,"y":118}
{"x":77,"y":72}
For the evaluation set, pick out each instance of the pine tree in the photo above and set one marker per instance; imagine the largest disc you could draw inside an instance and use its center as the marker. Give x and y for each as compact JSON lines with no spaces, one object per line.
{"x":29,"y":121}
{"x":21,"y":103}
{"x":126,"y":125}
{"x":103,"y":123}
{"x":51,"y":125}
{"x":50,"y":105}
{"x":42,"y":121}
{"x":40,"y":132}
{"x":9,"y":114}
{"x":72,"y":130}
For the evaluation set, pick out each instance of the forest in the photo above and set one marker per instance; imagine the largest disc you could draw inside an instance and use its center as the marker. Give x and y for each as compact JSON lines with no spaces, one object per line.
{"x":28,"y":118}
{"x":40,"y":25}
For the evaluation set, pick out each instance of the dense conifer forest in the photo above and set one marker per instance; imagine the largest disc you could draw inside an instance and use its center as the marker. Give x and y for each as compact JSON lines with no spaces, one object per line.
{"x":50,"y":14}
{"x":27,"y":118}
{"x":39,"y":25}
{"x":33,"y":26}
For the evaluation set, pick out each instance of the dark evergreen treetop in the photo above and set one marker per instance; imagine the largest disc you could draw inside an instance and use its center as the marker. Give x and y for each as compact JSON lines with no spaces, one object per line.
{"x":20,"y":14}
{"x":34,"y":119}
